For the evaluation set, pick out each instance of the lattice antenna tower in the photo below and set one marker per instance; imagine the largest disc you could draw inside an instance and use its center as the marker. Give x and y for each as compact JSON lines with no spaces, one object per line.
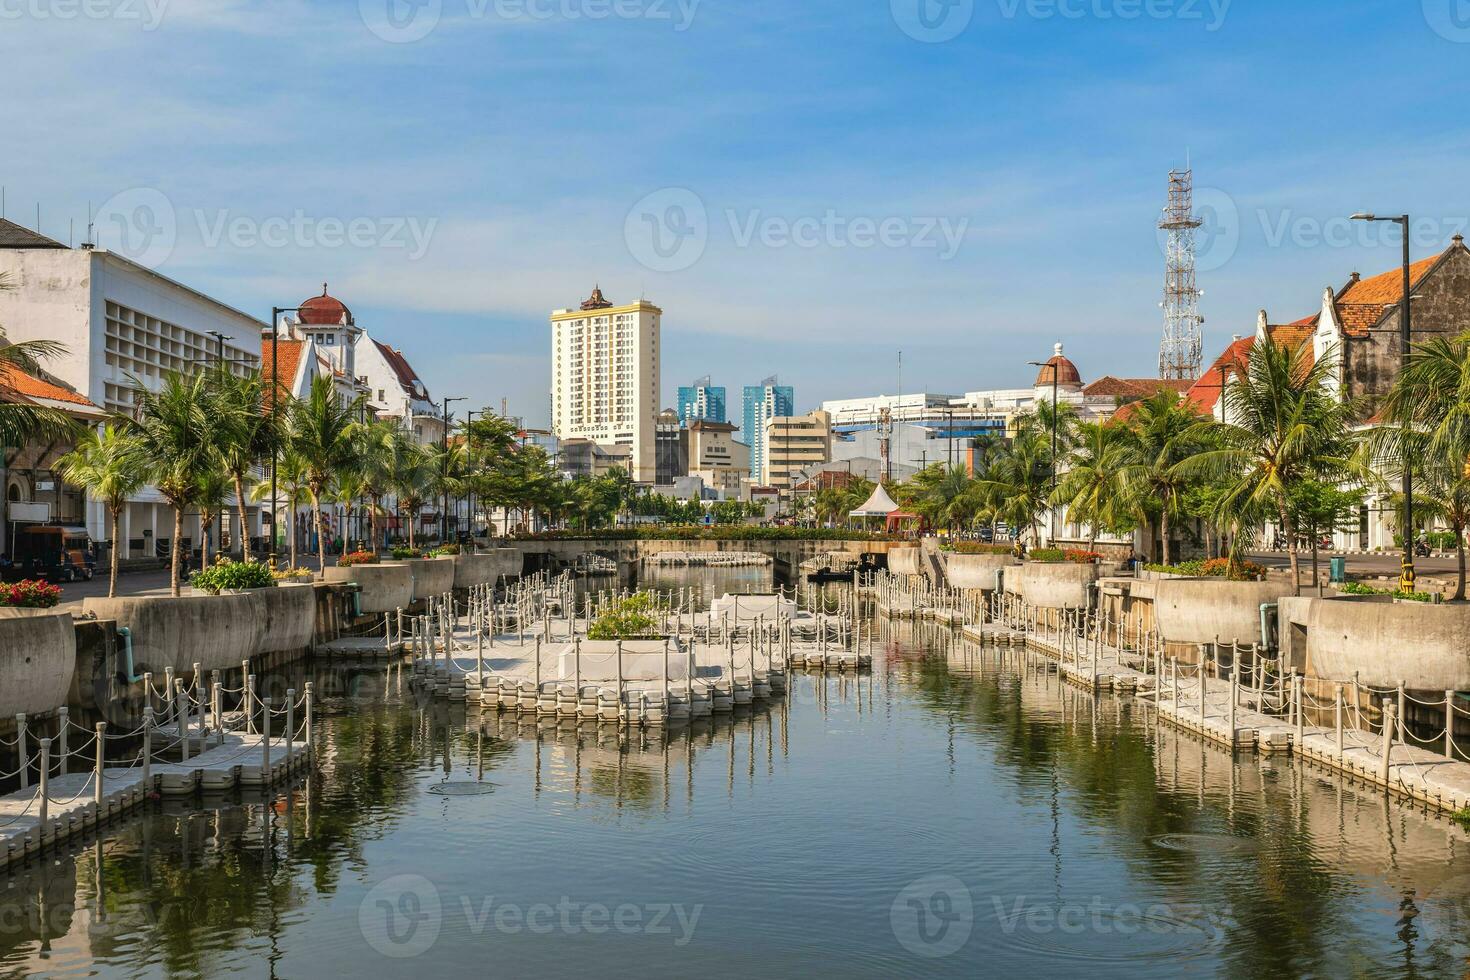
{"x":1181,"y":351}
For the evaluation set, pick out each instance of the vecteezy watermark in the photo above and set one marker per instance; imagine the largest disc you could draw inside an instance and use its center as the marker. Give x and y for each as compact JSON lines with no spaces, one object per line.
{"x":933,"y":916}
{"x":402,"y":917}
{"x":932,"y":21}
{"x":1217,"y":236}
{"x":1097,"y":917}
{"x":1450,"y":19}
{"x":148,"y":13}
{"x":668,"y":230}
{"x":139,"y":223}
{"x":1286,"y":227}
{"x":405,"y":21}
{"x":304,"y":231}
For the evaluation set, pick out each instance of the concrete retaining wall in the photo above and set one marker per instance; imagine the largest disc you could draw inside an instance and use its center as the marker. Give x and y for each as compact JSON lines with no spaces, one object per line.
{"x":904,"y":561}
{"x":288,"y":613}
{"x":1055,"y":585}
{"x":1197,"y":610}
{"x":1383,"y":641}
{"x":975,"y":571}
{"x":217,"y":632}
{"x":510,"y":562}
{"x":387,"y":587}
{"x":38,"y":660}
{"x":472,"y":570}
{"x":431,"y":576}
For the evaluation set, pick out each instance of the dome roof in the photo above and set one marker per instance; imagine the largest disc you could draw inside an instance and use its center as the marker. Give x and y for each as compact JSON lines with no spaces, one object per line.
{"x":324,"y":310}
{"x":1065,"y":371}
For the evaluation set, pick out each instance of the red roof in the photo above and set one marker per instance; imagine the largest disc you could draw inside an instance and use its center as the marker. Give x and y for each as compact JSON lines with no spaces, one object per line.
{"x":1066,"y":372}
{"x":324,"y":311}
{"x":1205,"y":393}
{"x":288,"y":361}
{"x":407,"y":376}
{"x":1132,"y":388}
{"x":18,"y":386}
{"x":1364,"y":302}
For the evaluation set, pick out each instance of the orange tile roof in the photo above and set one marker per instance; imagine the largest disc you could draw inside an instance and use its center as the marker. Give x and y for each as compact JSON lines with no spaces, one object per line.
{"x":288,"y":360}
{"x":1134,"y":387}
{"x":15,"y":382}
{"x":1205,"y":393}
{"x":1364,"y":302}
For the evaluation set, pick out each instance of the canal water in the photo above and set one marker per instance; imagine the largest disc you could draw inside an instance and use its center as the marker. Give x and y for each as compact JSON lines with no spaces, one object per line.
{"x":957,"y":813}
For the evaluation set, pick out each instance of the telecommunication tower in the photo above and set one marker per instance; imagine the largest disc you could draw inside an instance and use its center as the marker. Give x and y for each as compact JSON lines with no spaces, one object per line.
{"x":1180,"y":352}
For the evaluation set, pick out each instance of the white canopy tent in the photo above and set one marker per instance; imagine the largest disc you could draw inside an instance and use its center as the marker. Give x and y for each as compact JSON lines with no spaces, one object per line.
{"x":878,"y":505}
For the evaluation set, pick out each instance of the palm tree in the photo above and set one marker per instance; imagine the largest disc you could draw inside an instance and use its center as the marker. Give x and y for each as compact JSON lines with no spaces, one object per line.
{"x":291,"y":494}
{"x":409,"y":478}
{"x":173,"y":434}
{"x":376,"y":443}
{"x":105,"y":463}
{"x":1164,"y":431}
{"x":248,"y":431}
{"x":210,"y":498}
{"x":1091,"y":488}
{"x":21,"y":421}
{"x":323,"y":434}
{"x":1017,"y":483}
{"x":1285,"y":425}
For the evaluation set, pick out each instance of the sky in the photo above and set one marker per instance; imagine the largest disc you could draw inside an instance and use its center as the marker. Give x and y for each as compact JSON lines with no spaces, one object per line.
{"x":805,"y":189}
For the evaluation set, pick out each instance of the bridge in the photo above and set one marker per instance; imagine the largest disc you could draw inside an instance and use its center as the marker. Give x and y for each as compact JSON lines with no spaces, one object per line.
{"x":786,"y":554}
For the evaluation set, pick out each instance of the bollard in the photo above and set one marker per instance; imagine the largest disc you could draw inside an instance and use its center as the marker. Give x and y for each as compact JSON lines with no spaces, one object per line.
{"x":1388,"y":724}
{"x":1296,"y":697}
{"x":290,"y":722}
{"x":45,"y":801}
{"x":214,"y":706}
{"x":101,"y":765}
{"x":62,"y":724}
{"x":1337,"y":715}
{"x":666,"y":676}
{"x":148,"y":748}
{"x":1449,"y":724}
{"x":620,"y":674}
{"x":1234,"y":697}
{"x":265,"y":739}
{"x":1401,"y":712}
{"x":538,"y":665}
{"x":181,"y":724}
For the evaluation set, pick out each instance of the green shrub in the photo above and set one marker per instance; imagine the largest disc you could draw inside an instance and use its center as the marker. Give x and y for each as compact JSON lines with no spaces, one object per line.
{"x":628,"y":619}
{"x":402,"y":554}
{"x":1362,"y":588}
{"x":233,"y":576}
{"x":444,"y":550}
{"x":976,"y":548}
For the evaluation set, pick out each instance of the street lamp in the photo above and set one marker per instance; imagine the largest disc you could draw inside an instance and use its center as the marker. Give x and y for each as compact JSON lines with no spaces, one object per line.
{"x":469,"y":435}
{"x":444,"y":472}
{"x":1406,"y":572}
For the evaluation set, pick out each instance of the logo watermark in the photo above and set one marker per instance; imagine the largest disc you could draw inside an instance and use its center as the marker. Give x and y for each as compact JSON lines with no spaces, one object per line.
{"x":933,"y":21}
{"x":148,"y":14}
{"x":403,"y":916}
{"x":932,"y":917}
{"x":1450,"y":19}
{"x":1218,"y":236}
{"x":668,"y":230}
{"x":139,"y":223}
{"x":406,"y":21}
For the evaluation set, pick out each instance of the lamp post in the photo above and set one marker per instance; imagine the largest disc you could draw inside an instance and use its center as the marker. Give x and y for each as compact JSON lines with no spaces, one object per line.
{"x":444,"y":472}
{"x":469,"y":435}
{"x":275,"y":396}
{"x":1055,"y":411}
{"x":1406,"y":572}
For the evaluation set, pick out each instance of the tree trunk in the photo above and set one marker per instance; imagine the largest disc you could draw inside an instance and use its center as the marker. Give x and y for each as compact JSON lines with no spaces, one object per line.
{"x":373,"y":523}
{"x":173,"y":557}
{"x":1164,"y":531}
{"x":321,"y":537}
{"x":1288,"y":532}
{"x":413,"y":518}
{"x":112,"y":575}
{"x":204,"y":522}
{"x":240,"y":514}
{"x":291,"y":530}
{"x":1316,"y":569}
{"x":1460,"y":557}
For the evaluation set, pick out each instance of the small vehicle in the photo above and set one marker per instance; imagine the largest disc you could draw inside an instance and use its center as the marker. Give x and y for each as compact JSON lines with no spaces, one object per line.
{"x":57,"y":554}
{"x":1421,"y":548}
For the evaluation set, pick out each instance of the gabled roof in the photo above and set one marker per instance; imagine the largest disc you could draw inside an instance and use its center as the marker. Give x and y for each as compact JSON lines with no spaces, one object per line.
{"x":1205,"y":393}
{"x":1132,"y":388}
{"x":13,"y":235}
{"x":288,"y":362}
{"x":1364,"y":303}
{"x":20,"y":387}
{"x":403,"y":371}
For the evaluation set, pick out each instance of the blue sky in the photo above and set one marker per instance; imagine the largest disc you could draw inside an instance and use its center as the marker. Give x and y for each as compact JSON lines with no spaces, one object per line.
{"x":804,"y":188}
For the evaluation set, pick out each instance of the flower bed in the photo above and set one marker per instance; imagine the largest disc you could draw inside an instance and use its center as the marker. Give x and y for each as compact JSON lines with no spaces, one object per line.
{"x":976,"y":548}
{"x":398,"y":554}
{"x":1074,"y":555}
{"x":1360,"y":588}
{"x":1239,"y":570}
{"x":233,"y":576}
{"x":293,"y":575}
{"x":29,"y":594}
{"x":443,"y":551}
{"x":357,"y":558}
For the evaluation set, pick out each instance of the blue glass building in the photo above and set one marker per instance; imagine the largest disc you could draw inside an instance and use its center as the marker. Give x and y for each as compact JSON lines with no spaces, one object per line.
{"x":701,"y":400}
{"x":764,"y":402}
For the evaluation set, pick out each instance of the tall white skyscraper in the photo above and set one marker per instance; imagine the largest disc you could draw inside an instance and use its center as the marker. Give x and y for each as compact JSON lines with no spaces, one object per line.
{"x":605,"y":377}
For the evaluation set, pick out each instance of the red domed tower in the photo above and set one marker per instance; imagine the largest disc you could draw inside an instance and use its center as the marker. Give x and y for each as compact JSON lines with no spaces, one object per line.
{"x":325,"y":311}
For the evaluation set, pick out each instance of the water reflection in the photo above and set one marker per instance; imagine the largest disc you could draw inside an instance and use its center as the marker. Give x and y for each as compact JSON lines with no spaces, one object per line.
{"x":961,"y":810}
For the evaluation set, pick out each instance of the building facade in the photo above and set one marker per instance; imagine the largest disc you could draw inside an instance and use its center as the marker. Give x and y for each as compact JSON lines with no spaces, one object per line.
{"x":714,"y":455}
{"x":119,"y":321}
{"x":763,"y":402}
{"x":795,"y":443}
{"x":605,"y":377}
{"x":701,"y":400}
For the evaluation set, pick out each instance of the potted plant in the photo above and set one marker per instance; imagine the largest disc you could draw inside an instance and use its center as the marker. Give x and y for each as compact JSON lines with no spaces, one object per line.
{"x":226,"y":577}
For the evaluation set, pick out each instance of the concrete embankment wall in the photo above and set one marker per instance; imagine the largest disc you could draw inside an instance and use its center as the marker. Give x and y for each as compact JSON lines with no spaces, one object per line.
{"x":38,"y":660}
{"x":217,"y":632}
{"x":1053,"y":585}
{"x":1383,"y":642}
{"x":976,"y":571}
{"x":431,"y":576}
{"x":904,"y":561}
{"x":387,"y":587}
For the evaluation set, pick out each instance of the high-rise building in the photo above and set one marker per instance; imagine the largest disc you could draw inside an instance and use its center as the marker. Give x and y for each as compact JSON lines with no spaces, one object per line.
{"x":701,"y":401}
{"x":764,"y":402}
{"x":605,"y":377}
